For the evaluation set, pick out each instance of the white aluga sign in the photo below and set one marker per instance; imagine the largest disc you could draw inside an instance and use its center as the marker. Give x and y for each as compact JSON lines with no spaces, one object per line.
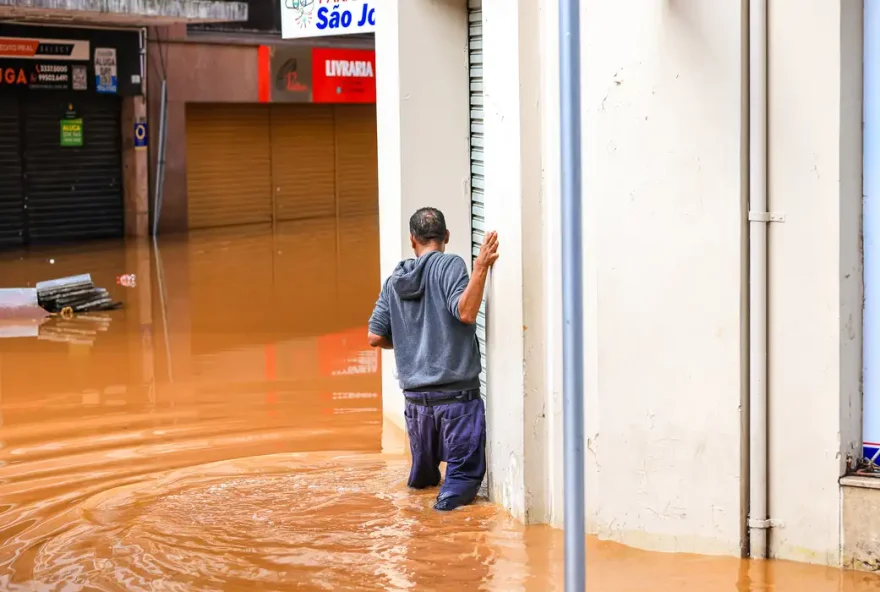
{"x":321,"y":18}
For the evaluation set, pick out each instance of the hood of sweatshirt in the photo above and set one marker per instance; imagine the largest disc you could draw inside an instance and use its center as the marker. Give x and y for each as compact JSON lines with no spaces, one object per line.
{"x":408,"y":278}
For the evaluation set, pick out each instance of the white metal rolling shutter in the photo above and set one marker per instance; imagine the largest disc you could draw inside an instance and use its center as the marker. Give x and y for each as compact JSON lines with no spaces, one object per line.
{"x":475,"y":51}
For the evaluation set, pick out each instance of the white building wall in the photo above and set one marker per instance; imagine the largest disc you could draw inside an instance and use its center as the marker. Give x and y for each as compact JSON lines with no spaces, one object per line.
{"x":815,"y":269}
{"x":662,"y":130}
{"x":665,"y":179}
{"x":505,"y":140}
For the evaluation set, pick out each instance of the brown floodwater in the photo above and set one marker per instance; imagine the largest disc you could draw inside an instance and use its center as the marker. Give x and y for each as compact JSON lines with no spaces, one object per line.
{"x":223,"y":431}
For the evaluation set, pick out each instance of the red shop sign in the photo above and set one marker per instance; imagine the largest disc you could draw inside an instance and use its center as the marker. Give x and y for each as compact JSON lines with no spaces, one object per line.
{"x":343,"y":75}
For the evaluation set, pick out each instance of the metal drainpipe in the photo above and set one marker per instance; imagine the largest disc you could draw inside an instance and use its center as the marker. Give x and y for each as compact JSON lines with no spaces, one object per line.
{"x":759,"y":218}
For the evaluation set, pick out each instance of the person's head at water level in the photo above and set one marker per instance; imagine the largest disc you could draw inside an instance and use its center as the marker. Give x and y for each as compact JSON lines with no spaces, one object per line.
{"x":427,"y":231}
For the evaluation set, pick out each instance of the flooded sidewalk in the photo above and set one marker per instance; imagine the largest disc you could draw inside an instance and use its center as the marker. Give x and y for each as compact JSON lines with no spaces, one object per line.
{"x":223,"y":431}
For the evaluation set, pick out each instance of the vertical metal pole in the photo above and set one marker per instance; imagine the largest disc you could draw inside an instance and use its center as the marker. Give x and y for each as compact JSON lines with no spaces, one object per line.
{"x":160,"y":166}
{"x":572,"y":293}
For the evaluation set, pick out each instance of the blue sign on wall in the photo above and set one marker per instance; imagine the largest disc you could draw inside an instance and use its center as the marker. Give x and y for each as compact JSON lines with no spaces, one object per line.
{"x":105,"y":70}
{"x":140,"y":135}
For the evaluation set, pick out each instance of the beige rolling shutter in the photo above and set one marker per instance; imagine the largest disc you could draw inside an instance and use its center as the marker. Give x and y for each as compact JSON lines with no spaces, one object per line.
{"x":357,"y":168}
{"x":303,"y":161}
{"x":228,"y":167}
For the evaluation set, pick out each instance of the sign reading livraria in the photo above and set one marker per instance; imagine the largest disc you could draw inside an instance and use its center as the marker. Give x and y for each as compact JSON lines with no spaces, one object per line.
{"x":293,"y":74}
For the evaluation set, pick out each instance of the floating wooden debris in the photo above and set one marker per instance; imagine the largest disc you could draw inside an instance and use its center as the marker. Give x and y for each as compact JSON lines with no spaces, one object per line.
{"x":75,"y":293}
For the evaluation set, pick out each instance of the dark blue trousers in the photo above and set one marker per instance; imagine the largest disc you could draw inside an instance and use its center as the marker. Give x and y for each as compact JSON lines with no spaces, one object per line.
{"x":452,"y":432}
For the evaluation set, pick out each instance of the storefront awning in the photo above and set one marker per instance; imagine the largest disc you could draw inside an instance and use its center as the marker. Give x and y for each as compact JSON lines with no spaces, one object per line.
{"x":128,"y":13}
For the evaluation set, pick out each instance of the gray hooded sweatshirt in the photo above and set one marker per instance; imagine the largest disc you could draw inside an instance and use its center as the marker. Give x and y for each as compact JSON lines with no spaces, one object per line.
{"x":418,"y":311}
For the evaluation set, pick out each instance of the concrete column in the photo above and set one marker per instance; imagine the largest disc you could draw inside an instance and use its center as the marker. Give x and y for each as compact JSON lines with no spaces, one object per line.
{"x":552,"y":276}
{"x":423,"y":130}
{"x":135,"y":165}
{"x":515,"y":300}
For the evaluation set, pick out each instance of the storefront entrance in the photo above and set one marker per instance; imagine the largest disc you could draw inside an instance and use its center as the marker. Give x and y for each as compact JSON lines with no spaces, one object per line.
{"x":60,"y":168}
{"x":253,"y":164}
{"x":61,"y":149}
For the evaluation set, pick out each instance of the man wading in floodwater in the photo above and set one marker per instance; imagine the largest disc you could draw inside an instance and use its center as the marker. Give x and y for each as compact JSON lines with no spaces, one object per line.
{"x":427,"y":313}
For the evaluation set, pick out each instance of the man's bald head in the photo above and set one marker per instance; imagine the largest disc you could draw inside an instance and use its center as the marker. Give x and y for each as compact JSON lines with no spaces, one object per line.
{"x":427,"y":228}
{"x":428,"y":225}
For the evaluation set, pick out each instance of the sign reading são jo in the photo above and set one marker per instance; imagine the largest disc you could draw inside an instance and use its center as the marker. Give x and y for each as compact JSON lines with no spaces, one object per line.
{"x":320,"y":18}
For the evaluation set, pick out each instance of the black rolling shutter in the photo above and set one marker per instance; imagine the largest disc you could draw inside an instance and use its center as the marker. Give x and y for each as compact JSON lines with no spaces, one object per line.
{"x":11,"y":207}
{"x":72,"y":193}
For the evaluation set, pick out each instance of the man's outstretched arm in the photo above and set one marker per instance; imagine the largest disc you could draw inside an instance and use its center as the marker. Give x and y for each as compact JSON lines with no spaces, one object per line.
{"x":379,"y":332}
{"x":470,"y":299}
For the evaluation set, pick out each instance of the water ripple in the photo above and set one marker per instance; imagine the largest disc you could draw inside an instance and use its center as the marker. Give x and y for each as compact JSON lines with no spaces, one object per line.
{"x":310,"y":522}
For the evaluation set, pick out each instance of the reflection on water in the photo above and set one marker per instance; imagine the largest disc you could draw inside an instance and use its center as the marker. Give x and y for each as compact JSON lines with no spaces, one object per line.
{"x":82,"y":329}
{"x":224,"y":432}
